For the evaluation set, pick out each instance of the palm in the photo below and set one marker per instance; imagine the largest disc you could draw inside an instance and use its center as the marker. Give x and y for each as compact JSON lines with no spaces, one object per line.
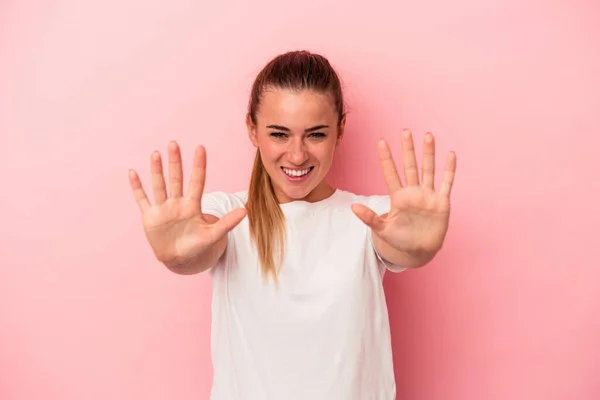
{"x":418,"y":219}
{"x":419,"y":215}
{"x":175,"y":226}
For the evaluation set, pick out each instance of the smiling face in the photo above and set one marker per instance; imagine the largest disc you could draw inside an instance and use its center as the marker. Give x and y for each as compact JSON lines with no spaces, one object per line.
{"x":297,"y":133}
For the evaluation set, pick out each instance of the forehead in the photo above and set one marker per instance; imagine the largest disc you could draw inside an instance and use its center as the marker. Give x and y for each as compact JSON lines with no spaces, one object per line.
{"x":296,"y":108}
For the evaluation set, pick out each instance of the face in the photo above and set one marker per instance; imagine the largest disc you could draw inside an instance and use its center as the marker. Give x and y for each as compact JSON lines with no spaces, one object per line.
{"x":297,"y":134}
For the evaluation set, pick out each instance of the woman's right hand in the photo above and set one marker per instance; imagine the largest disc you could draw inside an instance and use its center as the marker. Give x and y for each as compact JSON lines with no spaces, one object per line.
{"x":181,"y":236}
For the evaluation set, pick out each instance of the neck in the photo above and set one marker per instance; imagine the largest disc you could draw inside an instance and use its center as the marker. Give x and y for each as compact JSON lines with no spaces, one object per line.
{"x":321,"y":192}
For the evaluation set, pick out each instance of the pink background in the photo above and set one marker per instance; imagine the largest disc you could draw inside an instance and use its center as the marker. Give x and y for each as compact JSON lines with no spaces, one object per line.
{"x":510,"y":309}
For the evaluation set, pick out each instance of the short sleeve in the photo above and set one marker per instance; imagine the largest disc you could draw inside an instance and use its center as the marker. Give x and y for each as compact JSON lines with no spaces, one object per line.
{"x":215,"y":204}
{"x":381,"y":205}
{"x":220,"y":203}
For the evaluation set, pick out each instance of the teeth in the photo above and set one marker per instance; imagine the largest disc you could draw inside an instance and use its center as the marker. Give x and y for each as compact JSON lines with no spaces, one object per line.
{"x":294,"y":172}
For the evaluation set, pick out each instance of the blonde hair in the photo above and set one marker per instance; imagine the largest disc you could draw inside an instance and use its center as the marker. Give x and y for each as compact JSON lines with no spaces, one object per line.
{"x":295,"y":70}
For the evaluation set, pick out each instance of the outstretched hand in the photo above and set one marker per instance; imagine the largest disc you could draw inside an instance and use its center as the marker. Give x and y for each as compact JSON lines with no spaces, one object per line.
{"x":177,"y":230}
{"x":419,"y":215}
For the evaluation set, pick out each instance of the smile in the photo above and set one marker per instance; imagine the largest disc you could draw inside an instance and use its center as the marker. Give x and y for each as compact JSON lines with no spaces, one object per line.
{"x":297,"y":174}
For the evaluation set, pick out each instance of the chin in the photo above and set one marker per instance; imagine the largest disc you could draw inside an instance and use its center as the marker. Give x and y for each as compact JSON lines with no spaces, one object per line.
{"x":291,"y":192}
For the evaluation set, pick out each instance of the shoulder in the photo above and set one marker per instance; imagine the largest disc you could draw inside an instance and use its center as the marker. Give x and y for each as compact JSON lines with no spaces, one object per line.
{"x":378,"y":203}
{"x":220,"y":203}
{"x":241,"y":195}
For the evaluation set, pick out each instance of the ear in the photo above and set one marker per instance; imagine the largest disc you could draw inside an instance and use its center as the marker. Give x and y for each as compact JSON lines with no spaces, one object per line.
{"x":251,"y":130}
{"x":341,"y":130}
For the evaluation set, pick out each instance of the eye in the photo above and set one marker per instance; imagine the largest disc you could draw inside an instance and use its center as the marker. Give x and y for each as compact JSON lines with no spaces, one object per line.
{"x":317,"y":135}
{"x":278,"y":135}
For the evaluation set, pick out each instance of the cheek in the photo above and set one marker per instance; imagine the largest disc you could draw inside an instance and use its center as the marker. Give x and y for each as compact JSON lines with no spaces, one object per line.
{"x":325,"y":153}
{"x":270,"y":151}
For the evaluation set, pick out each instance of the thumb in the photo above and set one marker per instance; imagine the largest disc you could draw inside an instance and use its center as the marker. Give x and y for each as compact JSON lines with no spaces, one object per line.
{"x":229,"y":221}
{"x":368,"y":217}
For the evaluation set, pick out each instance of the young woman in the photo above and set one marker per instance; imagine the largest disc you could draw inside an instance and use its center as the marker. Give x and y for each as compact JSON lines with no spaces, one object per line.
{"x":299,"y":310}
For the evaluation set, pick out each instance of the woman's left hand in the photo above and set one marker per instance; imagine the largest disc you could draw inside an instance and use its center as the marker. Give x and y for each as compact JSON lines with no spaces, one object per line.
{"x":417,"y":222}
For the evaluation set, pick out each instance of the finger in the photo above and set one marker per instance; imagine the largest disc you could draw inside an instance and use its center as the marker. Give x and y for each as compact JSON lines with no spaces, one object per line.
{"x":198,"y":174}
{"x":368,"y":216}
{"x":175,"y":170}
{"x":449,"y":173}
{"x":138,"y":191}
{"x":158,"y":180}
{"x":409,"y":159}
{"x":428,"y":167}
{"x":229,"y":221}
{"x":390,"y":173}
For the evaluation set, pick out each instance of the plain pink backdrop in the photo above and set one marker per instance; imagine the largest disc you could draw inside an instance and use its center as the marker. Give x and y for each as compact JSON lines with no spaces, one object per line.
{"x":510,"y":309}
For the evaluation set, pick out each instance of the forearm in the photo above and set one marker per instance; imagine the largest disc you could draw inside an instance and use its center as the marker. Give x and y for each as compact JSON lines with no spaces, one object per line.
{"x":403,"y":259}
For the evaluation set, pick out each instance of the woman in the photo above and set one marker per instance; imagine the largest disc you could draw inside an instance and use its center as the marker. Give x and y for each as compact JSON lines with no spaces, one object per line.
{"x":299,"y":310}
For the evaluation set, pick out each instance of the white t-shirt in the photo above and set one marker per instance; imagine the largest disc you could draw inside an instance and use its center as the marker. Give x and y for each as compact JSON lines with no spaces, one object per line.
{"x":322,"y":333}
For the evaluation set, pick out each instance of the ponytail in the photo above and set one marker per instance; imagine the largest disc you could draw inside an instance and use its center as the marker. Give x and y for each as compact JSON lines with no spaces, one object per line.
{"x":267,"y":222}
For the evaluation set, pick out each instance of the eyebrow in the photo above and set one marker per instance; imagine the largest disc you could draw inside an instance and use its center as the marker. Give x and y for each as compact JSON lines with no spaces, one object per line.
{"x":312,"y":129}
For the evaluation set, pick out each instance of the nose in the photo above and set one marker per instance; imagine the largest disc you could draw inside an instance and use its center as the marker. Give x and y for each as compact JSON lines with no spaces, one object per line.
{"x":297,"y":153}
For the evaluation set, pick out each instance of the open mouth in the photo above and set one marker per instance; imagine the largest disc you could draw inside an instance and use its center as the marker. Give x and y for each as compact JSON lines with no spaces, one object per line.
{"x":297,"y":174}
